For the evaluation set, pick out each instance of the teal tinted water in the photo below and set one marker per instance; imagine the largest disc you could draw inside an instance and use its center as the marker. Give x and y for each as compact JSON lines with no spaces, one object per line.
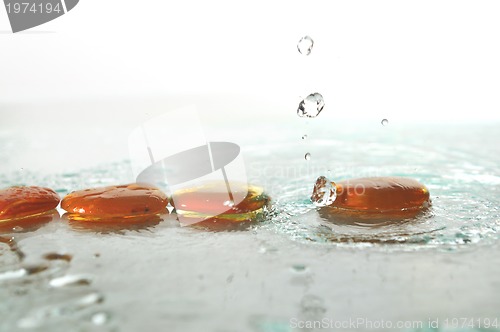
{"x":298,"y":264}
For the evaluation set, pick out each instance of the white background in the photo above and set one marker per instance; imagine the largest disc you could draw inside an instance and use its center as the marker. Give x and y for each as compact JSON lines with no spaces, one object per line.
{"x":416,"y":61}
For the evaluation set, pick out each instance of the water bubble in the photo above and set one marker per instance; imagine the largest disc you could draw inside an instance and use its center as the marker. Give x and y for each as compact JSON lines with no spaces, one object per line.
{"x":307,"y":156}
{"x":304,"y":137}
{"x":324,"y":192}
{"x":384,"y":122}
{"x":305,"y":45}
{"x":311,"y":106}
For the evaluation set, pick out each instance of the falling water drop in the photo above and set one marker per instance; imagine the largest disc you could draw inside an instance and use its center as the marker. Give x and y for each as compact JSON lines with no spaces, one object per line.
{"x":305,"y":45}
{"x":311,"y":106}
{"x":324,"y":192}
{"x":307,"y":156}
{"x":384,"y":122}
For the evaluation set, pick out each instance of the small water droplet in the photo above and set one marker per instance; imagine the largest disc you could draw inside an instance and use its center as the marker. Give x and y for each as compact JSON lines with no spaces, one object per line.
{"x":307,"y":156}
{"x":229,"y":203}
{"x":311,"y":106}
{"x":17,"y":229}
{"x":53,"y":256}
{"x":305,"y":45}
{"x":384,"y":122}
{"x":324,"y":192}
{"x":304,"y":137}
{"x":70,"y":280}
{"x":100,"y":318}
{"x":299,"y":267}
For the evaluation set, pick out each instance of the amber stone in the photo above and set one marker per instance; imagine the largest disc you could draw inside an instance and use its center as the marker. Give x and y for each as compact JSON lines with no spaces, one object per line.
{"x":130,"y":200}
{"x":379,"y":195}
{"x":200,"y":203}
{"x":20,"y":202}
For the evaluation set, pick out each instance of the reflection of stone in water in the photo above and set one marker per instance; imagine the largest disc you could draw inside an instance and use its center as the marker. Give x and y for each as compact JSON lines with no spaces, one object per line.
{"x":27,"y":224}
{"x":112,"y":225}
{"x":358,"y":228}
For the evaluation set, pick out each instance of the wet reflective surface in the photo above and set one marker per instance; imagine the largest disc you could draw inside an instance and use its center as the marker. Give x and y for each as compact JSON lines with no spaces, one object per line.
{"x":299,"y":262}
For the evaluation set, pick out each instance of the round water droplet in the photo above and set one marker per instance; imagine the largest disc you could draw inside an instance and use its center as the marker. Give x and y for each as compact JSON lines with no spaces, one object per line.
{"x":307,"y":156}
{"x":305,"y":45}
{"x":384,"y":122}
{"x":304,"y":137}
{"x":311,"y":106}
{"x":100,"y":318}
{"x":324,"y":192}
{"x":17,"y":229}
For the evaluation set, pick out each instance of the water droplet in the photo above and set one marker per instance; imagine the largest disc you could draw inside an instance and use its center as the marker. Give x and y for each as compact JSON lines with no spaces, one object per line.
{"x":311,"y":106}
{"x":100,"y":318}
{"x":17,"y":229}
{"x":229,"y":203}
{"x":384,"y":122}
{"x":312,"y":305}
{"x":305,"y":45}
{"x":299,"y":267}
{"x":324,"y":192}
{"x":70,"y":280}
{"x":304,"y":137}
{"x":307,"y":156}
{"x":53,"y":256}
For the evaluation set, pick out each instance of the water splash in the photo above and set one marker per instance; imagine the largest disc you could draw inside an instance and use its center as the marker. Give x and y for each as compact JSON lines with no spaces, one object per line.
{"x":324,"y":192}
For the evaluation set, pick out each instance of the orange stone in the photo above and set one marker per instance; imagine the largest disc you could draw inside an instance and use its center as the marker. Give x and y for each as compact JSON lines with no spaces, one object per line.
{"x":20,"y":202}
{"x":379,"y":195}
{"x":124,"y":201}
{"x":200,"y":202}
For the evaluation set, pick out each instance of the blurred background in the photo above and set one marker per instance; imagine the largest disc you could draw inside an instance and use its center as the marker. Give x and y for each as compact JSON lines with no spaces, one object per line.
{"x":99,"y":70}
